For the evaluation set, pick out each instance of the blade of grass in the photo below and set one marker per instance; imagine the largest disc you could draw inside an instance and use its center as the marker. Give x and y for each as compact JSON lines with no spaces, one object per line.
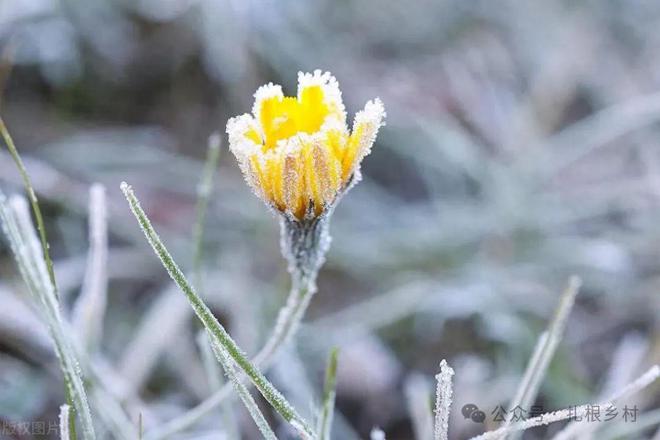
{"x":19,"y":230}
{"x":111,"y":414}
{"x":32,"y":196}
{"x":34,"y":202}
{"x":625,"y":430}
{"x":573,"y":431}
{"x":303,"y":288}
{"x":443,"y":397}
{"x":204,"y":191}
{"x":218,"y":332}
{"x":211,"y":368}
{"x":65,"y":434}
{"x":214,"y":375}
{"x":626,"y":360}
{"x":203,"y":194}
{"x":545,"y":419}
{"x":89,"y":308}
{"x":544,"y":351}
{"x":418,"y":397}
{"x":329,"y":393}
{"x":242,"y":390}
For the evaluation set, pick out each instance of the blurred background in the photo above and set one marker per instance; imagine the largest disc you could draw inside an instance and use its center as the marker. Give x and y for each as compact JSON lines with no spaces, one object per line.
{"x":522,"y":146}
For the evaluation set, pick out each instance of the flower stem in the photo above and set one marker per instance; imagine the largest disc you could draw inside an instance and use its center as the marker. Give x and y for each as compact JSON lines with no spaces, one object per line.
{"x":288,"y":320}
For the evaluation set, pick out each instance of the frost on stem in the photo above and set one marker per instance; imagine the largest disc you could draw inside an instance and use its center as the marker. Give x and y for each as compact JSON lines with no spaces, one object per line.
{"x":304,"y":245}
{"x":305,"y":242}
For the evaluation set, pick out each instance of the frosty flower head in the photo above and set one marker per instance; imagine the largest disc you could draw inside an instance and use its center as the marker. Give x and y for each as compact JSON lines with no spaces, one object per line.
{"x":297,"y":153}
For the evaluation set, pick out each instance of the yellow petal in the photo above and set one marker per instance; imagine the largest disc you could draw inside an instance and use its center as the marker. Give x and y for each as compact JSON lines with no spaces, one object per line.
{"x":261,"y":180}
{"x":274,"y":167}
{"x":294,"y":185}
{"x":365,"y":127}
{"x":311,"y":180}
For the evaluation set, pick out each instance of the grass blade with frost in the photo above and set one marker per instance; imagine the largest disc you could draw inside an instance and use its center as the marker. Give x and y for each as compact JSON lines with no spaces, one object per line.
{"x":89,"y":308}
{"x":32,"y":195}
{"x":45,"y":248}
{"x":64,"y":422}
{"x":545,"y":419}
{"x":544,"y":351}
{"x":214,"y":375}
{"x":287,"y":322}
{"x":203,"y":195}
{"x":329,"y":393}
{"x":632,"y":388}
{"x":19,"y":230}
{"x":626,"y":429}
{"x":418,"y":398}
{"x":216,"y":330}
{"x":204,"y":191}
{"x":443,"y":398}
{"x":626,"y":360}
{"x":210,"y":364}
{"x":242,"y":391}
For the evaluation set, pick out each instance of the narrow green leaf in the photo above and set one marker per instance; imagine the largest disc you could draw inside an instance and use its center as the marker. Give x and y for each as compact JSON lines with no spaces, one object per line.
{"x":203,"y":194}
{"x":242,"y":390}
{"x":220,"y":335}
{"x":19,"y":230}
{"x":328,"y":408}
{"x":32,"y":196}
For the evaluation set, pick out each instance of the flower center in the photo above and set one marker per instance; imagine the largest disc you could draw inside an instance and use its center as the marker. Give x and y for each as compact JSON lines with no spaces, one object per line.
{"x":283,"y":117}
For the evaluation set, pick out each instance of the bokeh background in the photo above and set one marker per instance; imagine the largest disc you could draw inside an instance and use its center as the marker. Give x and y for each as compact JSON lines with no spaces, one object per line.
{"x":522,"y":146}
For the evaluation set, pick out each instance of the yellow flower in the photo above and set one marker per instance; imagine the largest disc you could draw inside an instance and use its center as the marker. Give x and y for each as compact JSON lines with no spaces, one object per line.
{"x":297,"y":153}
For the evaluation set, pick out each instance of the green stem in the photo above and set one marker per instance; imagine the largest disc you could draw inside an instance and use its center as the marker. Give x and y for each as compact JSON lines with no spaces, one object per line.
{"x":203,"y":195}
{"x":220,"y":335}
{"x":19,"y":230}
{"x":32,"y":196}
{"x":243,"y":392}
{"x":288,"y":319}
{"x":216,"y":381}
{"x":34,"y":203}
{"x":65,"y":426}
{"x":71,"y":413}
{"x":327,"y":411}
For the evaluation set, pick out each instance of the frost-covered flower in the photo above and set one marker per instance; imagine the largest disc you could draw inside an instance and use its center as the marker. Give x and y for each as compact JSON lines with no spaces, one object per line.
{"x":297,"y":153}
